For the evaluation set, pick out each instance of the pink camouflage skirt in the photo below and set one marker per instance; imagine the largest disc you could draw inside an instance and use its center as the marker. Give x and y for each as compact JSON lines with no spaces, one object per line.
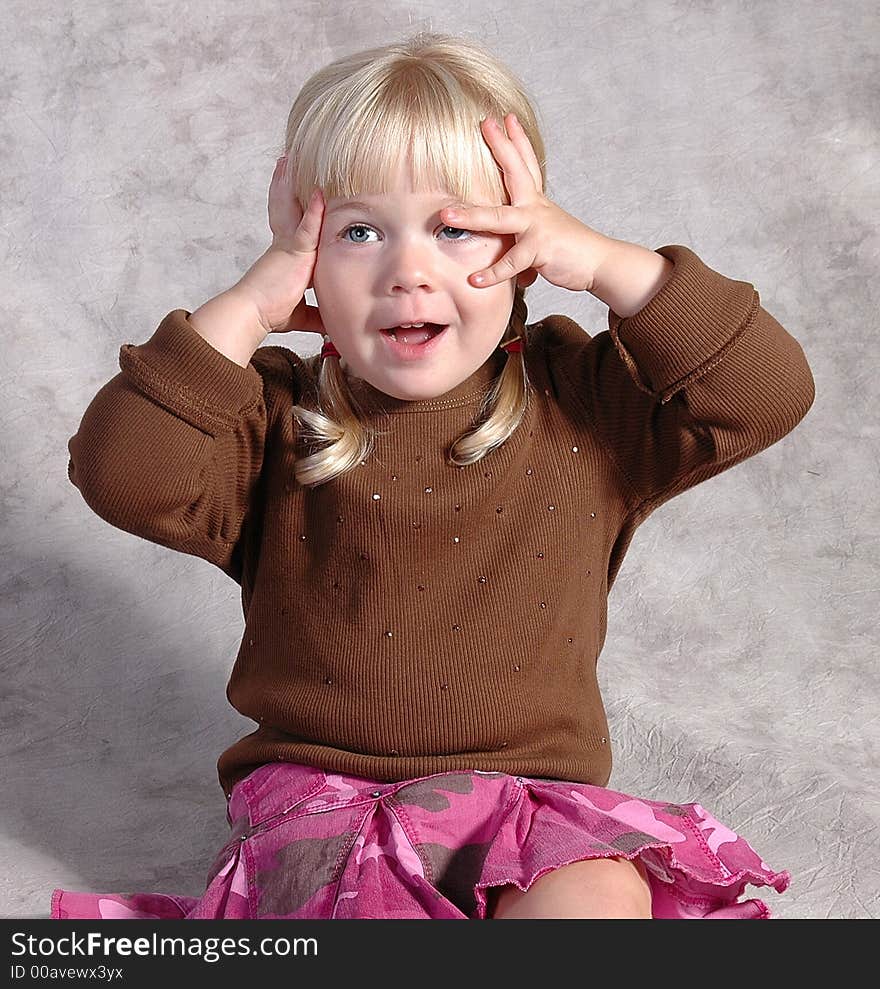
{"x":309,"y":844}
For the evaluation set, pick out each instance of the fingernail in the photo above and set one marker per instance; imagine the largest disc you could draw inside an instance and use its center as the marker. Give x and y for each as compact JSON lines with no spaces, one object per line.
{"x":452,"y":214}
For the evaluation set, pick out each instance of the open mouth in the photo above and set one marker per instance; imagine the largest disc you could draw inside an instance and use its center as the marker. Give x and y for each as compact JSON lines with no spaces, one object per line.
{"x":414,"y":336}
{"x":414,"y":343}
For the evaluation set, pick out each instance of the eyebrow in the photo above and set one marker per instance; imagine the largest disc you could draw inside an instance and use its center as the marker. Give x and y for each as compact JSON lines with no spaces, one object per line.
{"x":356,"y":204}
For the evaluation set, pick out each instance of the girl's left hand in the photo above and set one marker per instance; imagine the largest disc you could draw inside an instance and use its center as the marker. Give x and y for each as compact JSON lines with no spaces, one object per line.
{"x":549,"y":241}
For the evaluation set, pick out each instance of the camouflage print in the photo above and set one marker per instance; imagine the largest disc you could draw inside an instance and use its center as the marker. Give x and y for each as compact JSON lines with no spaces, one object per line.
{"x":310,"y":844}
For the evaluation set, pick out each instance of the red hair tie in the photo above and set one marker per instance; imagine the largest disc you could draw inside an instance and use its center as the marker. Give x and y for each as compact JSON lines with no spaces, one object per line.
{"x":328,"y":350}
{"x":513,"y":346}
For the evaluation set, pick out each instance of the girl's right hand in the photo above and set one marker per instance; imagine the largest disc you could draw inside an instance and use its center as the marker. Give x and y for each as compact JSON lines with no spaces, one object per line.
{"x":278,"y":280}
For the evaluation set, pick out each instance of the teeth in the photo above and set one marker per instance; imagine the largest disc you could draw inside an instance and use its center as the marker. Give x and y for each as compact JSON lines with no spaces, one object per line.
{"x":401,"y":326}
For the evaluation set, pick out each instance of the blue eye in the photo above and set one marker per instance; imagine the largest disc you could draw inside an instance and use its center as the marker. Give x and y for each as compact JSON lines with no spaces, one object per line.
{"x":355,"y":226}
{"x":364,"y":226}
{"x":459,"y":230}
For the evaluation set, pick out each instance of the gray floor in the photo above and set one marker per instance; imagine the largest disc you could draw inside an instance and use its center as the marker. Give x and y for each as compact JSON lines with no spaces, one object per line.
{"x":740,"y":668}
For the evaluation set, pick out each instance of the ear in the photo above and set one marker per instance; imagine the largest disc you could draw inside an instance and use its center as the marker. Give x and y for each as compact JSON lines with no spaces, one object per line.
{"x":526,"y":278}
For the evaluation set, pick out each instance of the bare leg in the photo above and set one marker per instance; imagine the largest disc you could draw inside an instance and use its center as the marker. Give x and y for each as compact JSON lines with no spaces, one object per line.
{"x":596,"y":888}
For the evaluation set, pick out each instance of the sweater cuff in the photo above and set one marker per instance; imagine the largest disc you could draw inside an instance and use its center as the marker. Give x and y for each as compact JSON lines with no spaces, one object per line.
{"x":684,"y":329}
{"x":181,"y":371}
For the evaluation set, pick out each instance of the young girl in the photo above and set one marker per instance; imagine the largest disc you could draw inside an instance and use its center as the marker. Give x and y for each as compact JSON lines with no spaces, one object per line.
{"x":426,"y":520}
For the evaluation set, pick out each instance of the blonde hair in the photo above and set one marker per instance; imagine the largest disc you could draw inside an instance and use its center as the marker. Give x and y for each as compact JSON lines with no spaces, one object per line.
{"x":345,"y":132}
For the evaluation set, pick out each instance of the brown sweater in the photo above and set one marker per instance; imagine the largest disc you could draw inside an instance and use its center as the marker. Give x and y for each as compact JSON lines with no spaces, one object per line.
{"x":409,"y":617}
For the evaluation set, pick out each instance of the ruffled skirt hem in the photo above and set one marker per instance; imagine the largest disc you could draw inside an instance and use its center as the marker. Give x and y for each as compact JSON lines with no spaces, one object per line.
{"x":313,"y":845}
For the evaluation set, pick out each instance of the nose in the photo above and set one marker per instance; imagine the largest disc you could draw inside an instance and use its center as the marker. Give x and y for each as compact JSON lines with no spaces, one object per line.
{"x":410,"y":266}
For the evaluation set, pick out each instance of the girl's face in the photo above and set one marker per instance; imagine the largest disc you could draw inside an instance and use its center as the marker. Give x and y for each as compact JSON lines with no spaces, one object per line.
{"x":398,"y":262}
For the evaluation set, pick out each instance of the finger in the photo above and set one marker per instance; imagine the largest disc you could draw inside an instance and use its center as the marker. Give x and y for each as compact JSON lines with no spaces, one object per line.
{"x":281,"y":175}
{"x":315,"y":210}
{"x":295,"y":230}
{"x":284,"y":210}
{"x":517,"y":176}
{"x":497,"y":219}
{"x":524,"y":146}
{"x":315,"y":205}
{"x":517,"y":259}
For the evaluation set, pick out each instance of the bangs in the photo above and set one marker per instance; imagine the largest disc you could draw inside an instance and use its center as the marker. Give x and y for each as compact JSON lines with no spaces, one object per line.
{"x":356,"y":149}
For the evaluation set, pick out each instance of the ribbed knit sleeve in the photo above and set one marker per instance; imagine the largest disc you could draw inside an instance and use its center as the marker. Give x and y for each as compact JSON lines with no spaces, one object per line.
{"x":171,"y":448}
{"x":698,"y":380}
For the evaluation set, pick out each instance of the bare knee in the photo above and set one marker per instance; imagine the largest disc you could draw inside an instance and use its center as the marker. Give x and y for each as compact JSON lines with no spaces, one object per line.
{"x":596,"y":888}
